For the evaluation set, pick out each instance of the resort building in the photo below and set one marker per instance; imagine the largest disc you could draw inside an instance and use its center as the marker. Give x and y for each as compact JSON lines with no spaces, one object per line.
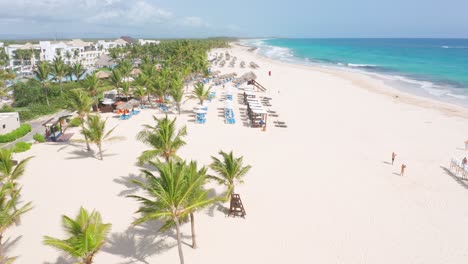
{"x":148,"y":41}
{"x":9,"y":122}
{"x":89,"y":54}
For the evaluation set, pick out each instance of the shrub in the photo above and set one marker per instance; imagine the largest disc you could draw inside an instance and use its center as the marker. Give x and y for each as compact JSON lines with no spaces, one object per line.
{"x":21,"y":147}
{"x":75,"y":122}
{"x":39,"y":138}
{"x":15,"y":134}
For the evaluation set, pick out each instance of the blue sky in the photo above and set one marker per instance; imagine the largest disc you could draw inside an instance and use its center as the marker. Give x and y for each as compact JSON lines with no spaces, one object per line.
{"x":242,"y":18}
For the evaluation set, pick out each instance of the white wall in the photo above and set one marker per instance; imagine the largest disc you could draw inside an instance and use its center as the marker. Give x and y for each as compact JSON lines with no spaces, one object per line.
{"x":9,"y":122}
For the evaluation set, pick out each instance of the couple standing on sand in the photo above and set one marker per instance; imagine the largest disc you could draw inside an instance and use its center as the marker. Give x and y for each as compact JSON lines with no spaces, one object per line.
{"x":403,"y":166}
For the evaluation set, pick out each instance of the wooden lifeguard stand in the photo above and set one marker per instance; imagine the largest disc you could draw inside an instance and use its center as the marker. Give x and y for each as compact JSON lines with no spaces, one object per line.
{"x":236,"y":208}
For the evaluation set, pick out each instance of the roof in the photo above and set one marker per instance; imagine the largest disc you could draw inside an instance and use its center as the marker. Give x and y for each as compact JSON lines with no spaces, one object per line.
{"x":7,"y":115}
{"x":79,"y":43}
{"x":105,"y":60}
{"x":103,"y":74}
{"x":121,"y":41}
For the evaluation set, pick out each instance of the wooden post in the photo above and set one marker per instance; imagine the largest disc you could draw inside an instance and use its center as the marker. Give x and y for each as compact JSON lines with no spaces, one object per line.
{"x":264,"y":125}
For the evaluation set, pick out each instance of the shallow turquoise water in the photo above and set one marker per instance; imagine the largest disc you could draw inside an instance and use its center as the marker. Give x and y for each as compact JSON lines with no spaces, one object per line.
{"x":437,"y":67}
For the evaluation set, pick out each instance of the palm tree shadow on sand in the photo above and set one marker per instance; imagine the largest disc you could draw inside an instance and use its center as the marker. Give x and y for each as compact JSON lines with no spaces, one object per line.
{"x":141,"y":242}
{"x":130,"y":187}
{"x":62,"y":260}
{"x":459,"y":180}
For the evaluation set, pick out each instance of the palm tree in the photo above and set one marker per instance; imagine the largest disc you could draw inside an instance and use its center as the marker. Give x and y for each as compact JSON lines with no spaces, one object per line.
{"x":162,"y":138}
{"x":78,"y":70}
{"x":95,"y":132}
{"x":230,"y":170}
{"x":79,"y":101}
{"x":42,"y":74}
{"x":169,"y":196}
{"x":177,"y":91}
{"x":116,"y":79}
{"x":86,"y":236}
{"x":9,"y":172}
{"x":93,"y":85}
{"x":68,"y":55}
{"x":125,"y":67}
{"x":10,"y":214}
{"x":59,"y":69}
{"x":125,"y":88}
{"x":200,"y":93}
{"x":140,"y":93}
{"x":198,"y":195}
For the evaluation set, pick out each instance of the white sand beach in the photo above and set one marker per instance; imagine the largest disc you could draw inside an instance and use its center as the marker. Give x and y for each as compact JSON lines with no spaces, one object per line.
{"x":321,"y":190}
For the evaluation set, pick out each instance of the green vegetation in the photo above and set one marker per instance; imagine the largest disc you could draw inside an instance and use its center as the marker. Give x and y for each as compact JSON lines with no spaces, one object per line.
{"x":21,"y":147}
{"x":11,"y":209}
{"x":230,"y":171}
{"x":86,"y":235}
{"x":39,"y":138}
{"x":163,"y":139}
{"x":16,"y":134}
{"x":75,"y":122}
{"x":95,"y":132}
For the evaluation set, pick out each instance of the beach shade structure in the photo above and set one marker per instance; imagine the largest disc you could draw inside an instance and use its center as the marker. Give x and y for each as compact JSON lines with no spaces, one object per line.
{"x":124,"y":106}
{"x":134,"y":102}
{"x":135,"y":72}
{"x":103,"y":74}
{"x":107,"y":101}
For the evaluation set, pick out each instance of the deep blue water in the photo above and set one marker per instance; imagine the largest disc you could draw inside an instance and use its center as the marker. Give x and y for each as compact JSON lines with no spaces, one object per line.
{"x":436,"y":68}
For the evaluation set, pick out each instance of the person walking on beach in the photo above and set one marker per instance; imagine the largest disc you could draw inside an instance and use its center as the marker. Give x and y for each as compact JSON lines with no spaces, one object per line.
{"x":393,"y":157}
{"x":403,"y":167}
{"x":269,"y":73}
{"x":464,"y":161}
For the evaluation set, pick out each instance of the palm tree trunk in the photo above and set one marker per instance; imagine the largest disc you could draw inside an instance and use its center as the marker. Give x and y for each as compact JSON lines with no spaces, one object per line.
{"x":100,"y":151}
{"x":61,"y":86}
{"x":46,"y":95}
{"x":179,"y":241}
{"x":192,"y":223}
{"x":86,"y":138}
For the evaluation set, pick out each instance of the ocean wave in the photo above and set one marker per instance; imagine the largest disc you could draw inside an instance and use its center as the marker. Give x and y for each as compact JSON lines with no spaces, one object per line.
{"x":273,"y":52}
{"x":458,"y":96}
{"x":454,"y":47}
{"x":361,"y":65}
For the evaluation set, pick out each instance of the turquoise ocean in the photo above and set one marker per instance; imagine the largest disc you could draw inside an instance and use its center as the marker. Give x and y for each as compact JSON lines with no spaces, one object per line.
{"x":434,"y":68}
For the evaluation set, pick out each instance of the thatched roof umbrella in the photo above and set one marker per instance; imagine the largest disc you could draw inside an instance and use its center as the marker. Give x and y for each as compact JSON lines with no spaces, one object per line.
{"x":124,"y":106}
{"x":135,"y":72}
{"x":103,"y":74}
{"x":134,"y":102}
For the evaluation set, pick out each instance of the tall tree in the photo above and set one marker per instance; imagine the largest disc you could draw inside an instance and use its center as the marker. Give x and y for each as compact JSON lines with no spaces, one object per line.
{"x":79,"y":101}
{"x":42,"y":74}
{"x":59,"y":70}
{"x":198,"y":196}
{"x":168,"y":197}
{"x":230,"y":171}
{"x":78,"y":70}
{"x":10,"y":214}
{"x":9,"y":172}
{"x":93,"y":85}
{"x":177,"y":91}
{"x":163,"y":139}
{"x":95,"y":132}
{"x":86,"y":234}
{"x":200,"y":93}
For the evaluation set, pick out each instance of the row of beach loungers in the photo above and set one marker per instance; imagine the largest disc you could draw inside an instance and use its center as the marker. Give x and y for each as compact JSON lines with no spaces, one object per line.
{"x":255,"y":111}
{"x":458,"y":168}
{"x":228,"y":108}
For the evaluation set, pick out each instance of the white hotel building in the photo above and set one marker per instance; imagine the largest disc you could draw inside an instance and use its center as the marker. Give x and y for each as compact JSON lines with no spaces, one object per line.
{"x":76,"y":50}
